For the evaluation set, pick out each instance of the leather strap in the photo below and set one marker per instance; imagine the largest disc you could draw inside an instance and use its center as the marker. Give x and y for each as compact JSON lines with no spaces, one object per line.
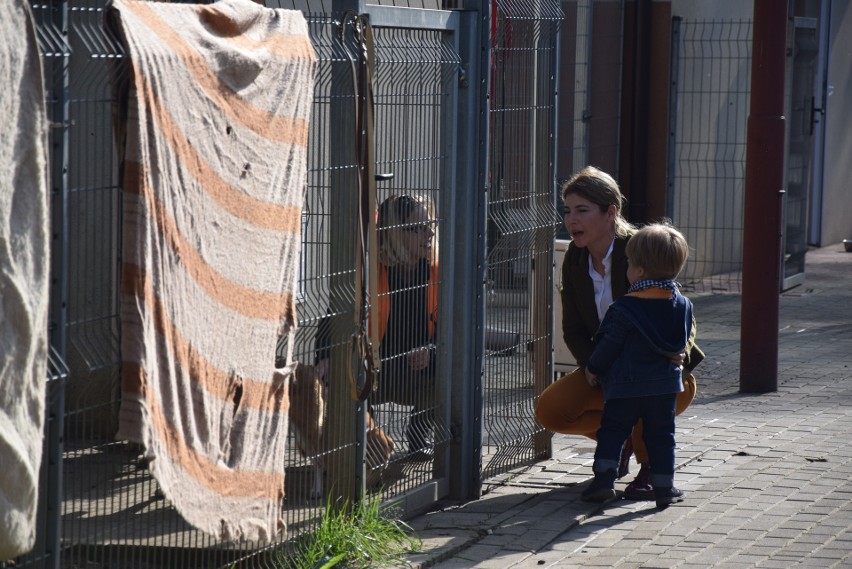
{"x":366,"y":359}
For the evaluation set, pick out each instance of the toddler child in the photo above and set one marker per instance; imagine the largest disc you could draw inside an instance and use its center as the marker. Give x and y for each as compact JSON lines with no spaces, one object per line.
{"x":639,"y":337}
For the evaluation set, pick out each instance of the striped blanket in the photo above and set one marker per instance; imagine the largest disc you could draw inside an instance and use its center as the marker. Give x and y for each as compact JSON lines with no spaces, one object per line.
{"x":214,"y":136}
{"x":24,"y":276}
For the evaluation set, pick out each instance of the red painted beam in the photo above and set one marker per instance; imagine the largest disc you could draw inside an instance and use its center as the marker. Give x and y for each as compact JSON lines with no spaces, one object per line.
{"x":764,"y":193}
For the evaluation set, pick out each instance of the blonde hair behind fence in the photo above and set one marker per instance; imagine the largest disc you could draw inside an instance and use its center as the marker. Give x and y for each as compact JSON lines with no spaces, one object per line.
{"x":393,"y":219}
{"x":601,"y":189}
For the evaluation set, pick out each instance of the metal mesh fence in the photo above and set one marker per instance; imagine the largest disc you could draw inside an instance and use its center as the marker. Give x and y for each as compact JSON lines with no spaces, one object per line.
{"x":521,"y":225}
{"x":113,"y":514}
{"x":711,"y":87}
{"x":112,"y":511}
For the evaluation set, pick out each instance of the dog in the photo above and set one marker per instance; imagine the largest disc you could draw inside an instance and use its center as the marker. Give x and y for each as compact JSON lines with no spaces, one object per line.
{"x":378,"y":453}
{"x":307,"y":419}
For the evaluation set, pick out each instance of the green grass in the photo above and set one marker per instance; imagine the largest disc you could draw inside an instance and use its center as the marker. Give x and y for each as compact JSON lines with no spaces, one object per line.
{"x":362,"y":536}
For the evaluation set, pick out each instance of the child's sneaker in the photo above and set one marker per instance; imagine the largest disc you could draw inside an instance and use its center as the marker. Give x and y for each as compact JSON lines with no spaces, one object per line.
{"x":667,"y":495}
{"x":601,"y":489}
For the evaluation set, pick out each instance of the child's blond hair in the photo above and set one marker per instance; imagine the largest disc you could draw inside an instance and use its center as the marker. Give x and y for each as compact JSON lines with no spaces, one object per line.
{"x":660,"y":249}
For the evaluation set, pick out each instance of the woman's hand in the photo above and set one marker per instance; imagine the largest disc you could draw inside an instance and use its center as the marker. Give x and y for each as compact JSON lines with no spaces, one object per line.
{"x":419,"y":359}
{"x":591,"y":378}
{"x":679,"y":359}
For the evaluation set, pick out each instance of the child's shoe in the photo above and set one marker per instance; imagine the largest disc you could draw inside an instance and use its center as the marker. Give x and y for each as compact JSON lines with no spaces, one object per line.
{"x":667,"y":495}
{"x":601,"y":489}
{"x":640,"y":488}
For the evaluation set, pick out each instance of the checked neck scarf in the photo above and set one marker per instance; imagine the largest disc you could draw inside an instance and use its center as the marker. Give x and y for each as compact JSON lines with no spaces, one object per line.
{"x":652,"y":283}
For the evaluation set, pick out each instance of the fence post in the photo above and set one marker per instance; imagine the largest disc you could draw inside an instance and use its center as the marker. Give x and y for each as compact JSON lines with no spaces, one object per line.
{"x":469,"y":219}
{"x":671,"y":151}
{"x":764,"y":193}
{"x":342,"y":412}
{"x":59,"y":112}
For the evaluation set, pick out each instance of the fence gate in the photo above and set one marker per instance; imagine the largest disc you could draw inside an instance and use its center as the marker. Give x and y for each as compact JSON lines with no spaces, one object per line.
{"x":415,"y":94}
{"x":522,"y":220}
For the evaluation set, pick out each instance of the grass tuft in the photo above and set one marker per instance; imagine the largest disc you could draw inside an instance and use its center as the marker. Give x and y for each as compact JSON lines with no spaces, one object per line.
{"x":362,"y":536}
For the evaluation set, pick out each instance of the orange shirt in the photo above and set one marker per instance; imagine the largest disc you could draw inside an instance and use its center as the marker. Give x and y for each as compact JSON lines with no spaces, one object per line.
{"x":384,"y":299}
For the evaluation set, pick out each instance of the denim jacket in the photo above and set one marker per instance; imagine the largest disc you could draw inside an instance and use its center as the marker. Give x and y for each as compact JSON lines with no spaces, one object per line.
{"x":635,"y":344}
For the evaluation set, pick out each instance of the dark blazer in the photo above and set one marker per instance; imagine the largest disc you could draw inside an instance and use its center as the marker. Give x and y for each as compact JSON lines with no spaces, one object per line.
{"x":579,"y":315}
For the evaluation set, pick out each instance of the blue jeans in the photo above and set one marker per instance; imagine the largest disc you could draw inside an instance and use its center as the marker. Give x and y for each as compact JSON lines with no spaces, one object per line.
{"x":658,"y":419}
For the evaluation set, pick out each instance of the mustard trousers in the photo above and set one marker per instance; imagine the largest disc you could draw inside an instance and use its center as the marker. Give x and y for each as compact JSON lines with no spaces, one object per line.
{"x":571,"y":406}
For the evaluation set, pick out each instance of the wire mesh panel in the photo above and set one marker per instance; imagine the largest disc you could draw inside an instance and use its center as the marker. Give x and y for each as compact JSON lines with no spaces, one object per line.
{"x":113,"y":514}
{"x":711,"y":87}
{"x":403,"y":423}
{"x":95,"y":465}
{"x":415,"y":76}
{"x":522,"y":222}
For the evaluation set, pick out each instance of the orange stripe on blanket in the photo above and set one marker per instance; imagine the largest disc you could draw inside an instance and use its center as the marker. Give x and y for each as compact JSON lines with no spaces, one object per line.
{"x":274,"y":127}
{"x":257,"y":394}
{"x":283,"y":45}
{"x":222,"y":480}
{"x":248,"y":302}
{"x":257,"y":212}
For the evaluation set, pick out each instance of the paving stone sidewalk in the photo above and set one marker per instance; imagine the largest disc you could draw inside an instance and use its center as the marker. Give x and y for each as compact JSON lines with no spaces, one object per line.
{"x":768,"y":477}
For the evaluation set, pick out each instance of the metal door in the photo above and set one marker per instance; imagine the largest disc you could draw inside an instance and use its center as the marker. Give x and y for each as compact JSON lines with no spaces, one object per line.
{"x":416,"y":119}
{"x":412,"y":149}
{"x":817,"y":116}
{"x":800,"y":112}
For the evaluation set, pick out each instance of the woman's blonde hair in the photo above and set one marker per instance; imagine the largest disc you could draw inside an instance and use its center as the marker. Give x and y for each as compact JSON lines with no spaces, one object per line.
{"x":658,"y":248}
{"x":601,"y":189}
{"x":393,"y":223}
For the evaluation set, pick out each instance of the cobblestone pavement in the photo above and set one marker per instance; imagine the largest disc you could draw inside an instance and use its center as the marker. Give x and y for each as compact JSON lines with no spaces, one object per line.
{"x":768,"y":477}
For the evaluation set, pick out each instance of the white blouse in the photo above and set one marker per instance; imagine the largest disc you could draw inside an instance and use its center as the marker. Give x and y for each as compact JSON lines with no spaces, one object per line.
{"x":602,"y":283}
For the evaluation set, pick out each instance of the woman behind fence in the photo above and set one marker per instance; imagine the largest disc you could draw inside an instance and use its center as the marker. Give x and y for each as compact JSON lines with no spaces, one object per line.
{"x":407,"y":315}
{"x":594,"y":274}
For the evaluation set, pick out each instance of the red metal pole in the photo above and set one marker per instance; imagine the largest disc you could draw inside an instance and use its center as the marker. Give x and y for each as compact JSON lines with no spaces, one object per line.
{"x":764,"y":194}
